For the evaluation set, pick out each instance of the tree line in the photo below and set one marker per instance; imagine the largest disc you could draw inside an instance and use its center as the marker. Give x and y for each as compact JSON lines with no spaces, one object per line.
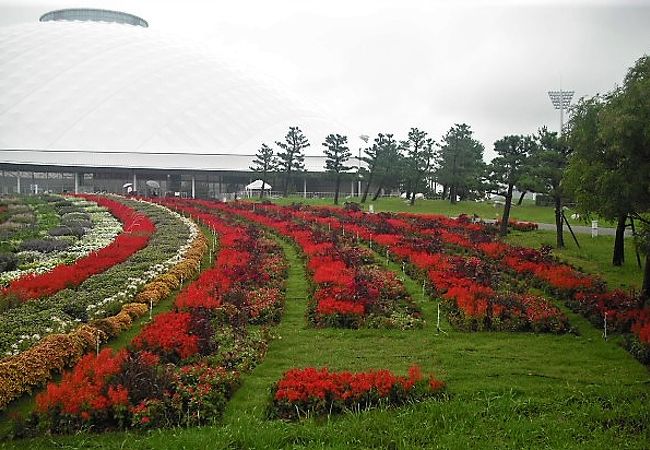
{"x":601,"y":163}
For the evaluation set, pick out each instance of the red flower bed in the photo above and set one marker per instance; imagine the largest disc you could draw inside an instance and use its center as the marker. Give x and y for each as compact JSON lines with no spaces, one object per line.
{"x":311,"y":391}
{"x":169,"y":334}
{"x":519,"y":226}
{"x":137,"y":231}
{"x":467,"y":284}
{"x":84,"y":391}
{"x":350,"y":289}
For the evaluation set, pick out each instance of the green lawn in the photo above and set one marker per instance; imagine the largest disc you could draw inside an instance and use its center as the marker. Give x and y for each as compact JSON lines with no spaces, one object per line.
{"x":594,"y":256}
{"x":528,"y":211}
{"x":506,"y":390}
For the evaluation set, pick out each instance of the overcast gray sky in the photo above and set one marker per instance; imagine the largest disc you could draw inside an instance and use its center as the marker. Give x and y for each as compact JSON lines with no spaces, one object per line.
{"x":388,"y":65}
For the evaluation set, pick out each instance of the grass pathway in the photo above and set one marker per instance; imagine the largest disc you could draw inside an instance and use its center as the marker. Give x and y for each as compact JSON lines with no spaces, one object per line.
{"x":248,"y":402}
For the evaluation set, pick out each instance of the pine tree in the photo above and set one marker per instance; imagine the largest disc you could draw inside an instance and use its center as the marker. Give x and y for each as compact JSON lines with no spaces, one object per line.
{"x":265,"y":162}
{"x":338,"y":154}
{"x":292,"y":159}
{"x":461,"y":163}
{"x":419,"y":152}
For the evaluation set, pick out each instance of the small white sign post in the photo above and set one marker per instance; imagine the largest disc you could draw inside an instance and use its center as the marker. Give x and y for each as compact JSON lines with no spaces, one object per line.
{"x":594,"y":228}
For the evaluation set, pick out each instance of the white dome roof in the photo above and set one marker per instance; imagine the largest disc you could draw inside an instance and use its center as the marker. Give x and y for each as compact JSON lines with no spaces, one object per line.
{"x":116,"y":87}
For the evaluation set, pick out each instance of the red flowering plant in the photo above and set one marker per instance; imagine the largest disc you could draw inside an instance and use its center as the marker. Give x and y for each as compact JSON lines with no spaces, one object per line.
{"x":85,"y":396}
{"x":306,"y":392}
{"x":349,"y":289}
{"x":469,"y":285}
{"x":182,"y":367}
{"x":638,"y":343}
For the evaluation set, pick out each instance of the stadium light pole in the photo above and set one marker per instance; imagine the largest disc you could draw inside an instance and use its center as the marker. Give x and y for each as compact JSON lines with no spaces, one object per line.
{"x":561,"y":100}
{"x":364,"y":138}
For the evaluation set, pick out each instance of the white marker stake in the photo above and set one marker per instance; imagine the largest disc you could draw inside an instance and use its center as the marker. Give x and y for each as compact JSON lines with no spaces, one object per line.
{"x":97,"y":342}
{"x":438,"y":323}
{"x":150,"y":309}
{"x":387,"y":252}
{"x":605,"y":331}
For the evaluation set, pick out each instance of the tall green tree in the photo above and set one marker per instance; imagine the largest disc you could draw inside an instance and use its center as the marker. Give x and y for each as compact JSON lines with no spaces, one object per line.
{"x":264,"y":163}
{"x":460,"y":160}
{"x":376,"y":157}
{"x":419,"y":160}
{"x":292,"y":158}
{"x":548,"y":163}
{"x":594,"y":177}
{"x":609,"y":171}
{"x":508,"y":169}
{"x":390,"y":167}
{"x":337,"y":155}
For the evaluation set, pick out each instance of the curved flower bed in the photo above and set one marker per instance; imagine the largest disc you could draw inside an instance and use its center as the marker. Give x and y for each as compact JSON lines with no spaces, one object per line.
{"x":350,"y":288}
{"x":54,"y":352}
{"x":99,"y":232}
{"x":301,"y":393}
{"x":137,"y":231}
{"x":181,"y":368}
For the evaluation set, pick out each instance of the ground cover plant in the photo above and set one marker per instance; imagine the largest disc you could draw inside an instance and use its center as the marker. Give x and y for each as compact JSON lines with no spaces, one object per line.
{"x":471,"y":299}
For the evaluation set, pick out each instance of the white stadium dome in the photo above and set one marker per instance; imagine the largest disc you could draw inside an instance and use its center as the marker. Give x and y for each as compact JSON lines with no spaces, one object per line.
{"x":103,"y":87}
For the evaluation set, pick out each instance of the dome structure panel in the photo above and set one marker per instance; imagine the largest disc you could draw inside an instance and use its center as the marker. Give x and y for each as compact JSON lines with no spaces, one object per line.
{"x":116,"y":87}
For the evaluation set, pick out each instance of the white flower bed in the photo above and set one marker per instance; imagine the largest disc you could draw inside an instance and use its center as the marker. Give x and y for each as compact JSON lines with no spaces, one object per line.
{"x":97,"y":310}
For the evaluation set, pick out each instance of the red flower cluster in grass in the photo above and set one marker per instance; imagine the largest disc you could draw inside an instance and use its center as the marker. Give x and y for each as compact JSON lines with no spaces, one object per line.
{"x":84,"y":390}
{"x":320,"y":391}
{"x":169,"y":335}
{"x":329,"y":306}
{"x":641,"y":326}
{"x":137,"y":231}
{"x":519,"y":226}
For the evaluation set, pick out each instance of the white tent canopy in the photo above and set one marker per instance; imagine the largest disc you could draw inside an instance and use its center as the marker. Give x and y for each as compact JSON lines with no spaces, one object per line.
{"x":257,"y":185}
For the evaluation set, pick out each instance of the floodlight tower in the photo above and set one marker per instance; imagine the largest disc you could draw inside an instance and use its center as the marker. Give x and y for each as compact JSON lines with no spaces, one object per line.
{"x":364,"y":138}
{"x":561,"y":100}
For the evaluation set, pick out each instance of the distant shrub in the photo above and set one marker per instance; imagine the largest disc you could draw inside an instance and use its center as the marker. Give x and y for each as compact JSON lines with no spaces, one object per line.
{"x":26,"y":218}
{"x":352,"y":206}
{"x":18,"y":208}
{"x":74,"y":216}
{"x":67,"y":209}
{"x":8,"y":261}
{"x":67,"y":230}
{"x":44,"y":245}
{"x":78,"y":223}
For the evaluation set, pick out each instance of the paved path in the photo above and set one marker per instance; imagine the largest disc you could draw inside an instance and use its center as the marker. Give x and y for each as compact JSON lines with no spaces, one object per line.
{"x":581,"y":229}
{"x":578,"y":229}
